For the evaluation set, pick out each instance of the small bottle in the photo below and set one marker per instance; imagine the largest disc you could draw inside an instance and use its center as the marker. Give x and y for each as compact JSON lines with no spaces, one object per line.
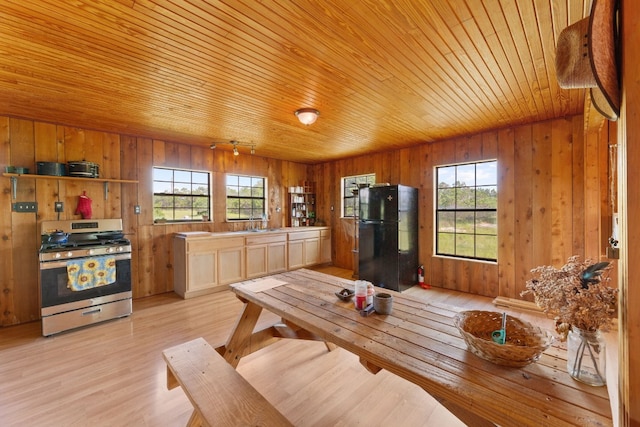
{"x":370,"y":292}
{"x":264,"y":221}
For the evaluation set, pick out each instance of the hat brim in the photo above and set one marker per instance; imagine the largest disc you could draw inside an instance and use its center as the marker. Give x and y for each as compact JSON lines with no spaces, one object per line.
{"x":602,"y":54}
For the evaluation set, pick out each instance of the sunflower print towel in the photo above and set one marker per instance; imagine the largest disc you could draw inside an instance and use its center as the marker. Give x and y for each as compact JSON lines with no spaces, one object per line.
{"x":91,"y":272}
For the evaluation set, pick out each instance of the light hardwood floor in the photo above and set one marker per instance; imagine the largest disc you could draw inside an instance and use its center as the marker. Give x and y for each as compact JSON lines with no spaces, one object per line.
{"x":112,"y":374}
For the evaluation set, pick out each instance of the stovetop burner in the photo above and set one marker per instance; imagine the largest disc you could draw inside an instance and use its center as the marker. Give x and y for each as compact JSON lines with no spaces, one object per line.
{"x":52,"y":247}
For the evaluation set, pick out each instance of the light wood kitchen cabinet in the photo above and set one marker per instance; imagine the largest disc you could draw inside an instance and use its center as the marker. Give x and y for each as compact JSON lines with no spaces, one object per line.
{"x":266,"y":254}
{"x":304,"y":248}
{"x":208,"y":262}
{"x":203,"y":264}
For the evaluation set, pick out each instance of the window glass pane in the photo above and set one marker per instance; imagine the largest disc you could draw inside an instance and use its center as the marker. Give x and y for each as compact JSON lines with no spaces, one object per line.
{"x":487,"y":247}
{"x":465,"y":245}
{"x":232,"y":180}
{"x":487,"y":197}
{"x":181,"y":188}
{"x":446,"y":198}
{"x":162,"y":187}
{"x":200,"y":178}
{"x":182,"y":176}
{"x":466,"y":175}
{"x":446,"y":222}
{"x":446,"y":244}
{"x":162,"y":174}
{"x":202,"y":189}
{"x":465,"y":222}
{"x":446,"y":177}
{"x":244,"y":181}
{"x":486,"y":173}
{"x":466,"y":198}
{"x":486,"y":223}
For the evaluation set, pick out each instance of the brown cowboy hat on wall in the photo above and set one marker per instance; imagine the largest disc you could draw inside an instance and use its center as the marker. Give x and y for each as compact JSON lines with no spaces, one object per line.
{"x":586,"y":57}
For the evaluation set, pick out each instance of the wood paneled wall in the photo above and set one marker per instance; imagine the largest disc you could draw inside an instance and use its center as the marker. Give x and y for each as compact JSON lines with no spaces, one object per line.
{"x":553,"y":185}
{"x":24,"y":142}
{"x":553,"y":200}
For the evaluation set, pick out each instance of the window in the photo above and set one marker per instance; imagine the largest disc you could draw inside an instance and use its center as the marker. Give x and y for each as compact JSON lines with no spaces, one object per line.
{"x":180,"y":195}
{"x":246,"y":197}
{"x":350,"y":184}
{"x":466,"y":211}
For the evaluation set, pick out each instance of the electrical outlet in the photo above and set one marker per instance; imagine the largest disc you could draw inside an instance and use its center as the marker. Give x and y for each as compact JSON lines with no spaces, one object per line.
{"x":136,"y":209}
{"x":58,"y":206}
{"x":25,"y":207}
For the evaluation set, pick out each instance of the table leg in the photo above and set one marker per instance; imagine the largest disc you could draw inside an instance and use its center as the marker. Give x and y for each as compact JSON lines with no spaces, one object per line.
{"x":241,"y":334}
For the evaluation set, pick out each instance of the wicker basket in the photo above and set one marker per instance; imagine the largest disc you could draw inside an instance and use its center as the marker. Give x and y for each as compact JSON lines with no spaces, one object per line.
{"x":524,"y":342}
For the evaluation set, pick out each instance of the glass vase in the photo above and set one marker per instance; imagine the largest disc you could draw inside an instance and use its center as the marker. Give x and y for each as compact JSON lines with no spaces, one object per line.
{"x":586,"y":356}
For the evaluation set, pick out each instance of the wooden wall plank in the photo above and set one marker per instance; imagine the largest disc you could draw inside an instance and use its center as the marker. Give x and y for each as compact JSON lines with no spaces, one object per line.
{"x":592,"y":244}
{"x":8,"y":314}
{"x":24,"y":227}
{"x":523,"y":204}
{"x":541,"y":194}
{"x":48,"y":191}
{"x":506,"y":214}
{"x":561,"y":192}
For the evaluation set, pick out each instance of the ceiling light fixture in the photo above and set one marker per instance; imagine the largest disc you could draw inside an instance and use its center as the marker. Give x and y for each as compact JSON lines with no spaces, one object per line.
{"x":235,"y":145}
{"x":307,"y":116}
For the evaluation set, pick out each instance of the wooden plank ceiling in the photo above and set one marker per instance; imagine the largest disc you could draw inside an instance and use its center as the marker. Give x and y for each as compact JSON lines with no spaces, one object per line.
{"x":384,"y":74}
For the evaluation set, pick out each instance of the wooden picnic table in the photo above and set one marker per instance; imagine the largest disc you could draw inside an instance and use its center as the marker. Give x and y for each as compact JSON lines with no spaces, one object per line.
{"x":418,"y":342}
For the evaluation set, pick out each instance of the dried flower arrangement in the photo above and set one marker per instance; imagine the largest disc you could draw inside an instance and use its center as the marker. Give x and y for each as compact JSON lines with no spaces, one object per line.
{"x":577,"y":294}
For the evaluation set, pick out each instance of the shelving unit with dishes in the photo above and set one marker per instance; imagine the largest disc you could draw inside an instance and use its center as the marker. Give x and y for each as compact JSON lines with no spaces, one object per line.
{"x":302,"y":205}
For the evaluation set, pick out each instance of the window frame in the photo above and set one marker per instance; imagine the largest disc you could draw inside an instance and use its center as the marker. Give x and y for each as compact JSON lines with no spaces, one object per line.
{"x":347,"y":193}
{"x":262,"y":199}
{"x":201,"y":214}
{"x":493,"y":211}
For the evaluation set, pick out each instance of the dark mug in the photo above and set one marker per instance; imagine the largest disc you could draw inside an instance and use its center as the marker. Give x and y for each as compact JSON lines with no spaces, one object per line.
{"x":382,"y":303}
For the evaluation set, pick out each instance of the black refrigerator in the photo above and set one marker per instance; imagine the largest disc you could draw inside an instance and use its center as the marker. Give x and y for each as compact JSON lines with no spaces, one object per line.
{"x":388,"y":232}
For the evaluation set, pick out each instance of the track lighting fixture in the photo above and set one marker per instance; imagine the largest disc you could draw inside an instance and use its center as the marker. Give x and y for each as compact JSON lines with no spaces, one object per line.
{"x":235,"y":145}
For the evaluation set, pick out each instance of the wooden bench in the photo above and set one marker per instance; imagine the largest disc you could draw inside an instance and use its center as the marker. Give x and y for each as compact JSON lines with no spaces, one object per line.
{"x":220,"y":396}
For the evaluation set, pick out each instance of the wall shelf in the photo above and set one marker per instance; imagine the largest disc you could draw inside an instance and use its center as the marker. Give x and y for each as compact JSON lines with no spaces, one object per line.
{"x":15,"y":176}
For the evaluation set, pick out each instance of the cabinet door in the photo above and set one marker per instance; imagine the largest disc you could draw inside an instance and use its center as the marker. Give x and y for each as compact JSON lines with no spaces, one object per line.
{"x":256,"y":261}
{"x":231,"y":262}
{"x":296,"y":251}
{"x":202,"y":271}
{"x":311,"y":251}
{"x":277,"y":257}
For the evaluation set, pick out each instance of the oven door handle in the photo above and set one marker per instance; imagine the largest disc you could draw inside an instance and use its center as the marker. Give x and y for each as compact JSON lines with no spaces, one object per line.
{"x":50,"y":265}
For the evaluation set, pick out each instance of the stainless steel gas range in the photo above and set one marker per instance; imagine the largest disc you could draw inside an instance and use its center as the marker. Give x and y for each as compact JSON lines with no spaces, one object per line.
{"x":85,"y":273}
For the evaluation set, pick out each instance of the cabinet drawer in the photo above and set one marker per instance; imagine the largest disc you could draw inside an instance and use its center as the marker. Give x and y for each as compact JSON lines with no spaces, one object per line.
{"x":302,"y":235}
{"x":266,"y":239}
{"x":206,"y":245}
{"x":325,"y":233}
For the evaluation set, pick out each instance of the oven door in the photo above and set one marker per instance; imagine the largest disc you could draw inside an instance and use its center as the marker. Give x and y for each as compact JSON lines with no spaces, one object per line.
{"x":54,"y":279}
